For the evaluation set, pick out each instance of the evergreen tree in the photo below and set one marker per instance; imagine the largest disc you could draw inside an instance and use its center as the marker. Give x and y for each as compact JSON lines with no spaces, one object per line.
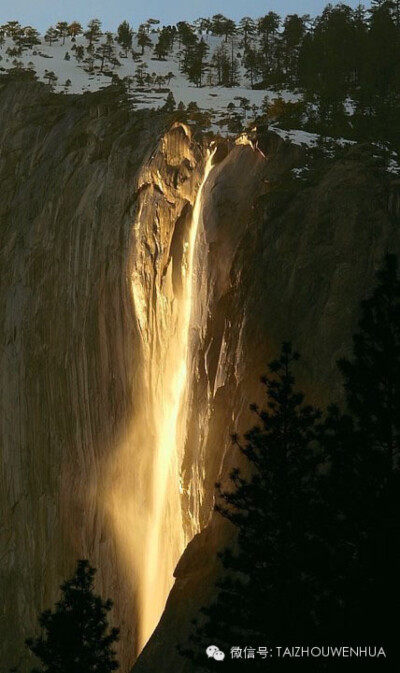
{"x":193,"y":63}
{"x":125,"y":36}
{"x":372,"y":376}
{"x":62,"y":29}
{"x":106,"y":51}
{"x":140,"y":73}
{"x":163,"y":46}
{"x":364,"y":479}
{"x":186,"y":34}
{"x":143,"y":39}
{"x":75,"y":636}
{"x":80,"y":53}
{"x":51,"y":35}
{"x":93,"y":32}
{"x":170,"y":103}
{"x":269,"y":590}
{"x":223,"y":26}
{"x":251,"y":64}
{"x":221,"y":62}
{"x":292,"y":36}
{"x":12,"y":28}
{"x":203,"y":25}
{"x":170,"y":75}
{"x":268,"y":26}
{"x":30,"y":37}
{"x":51,"y":77}
{"x":234,"y":63}
{"x":248,"y":28}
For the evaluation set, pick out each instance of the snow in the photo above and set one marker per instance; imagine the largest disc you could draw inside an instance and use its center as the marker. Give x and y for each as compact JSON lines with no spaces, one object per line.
{"x":299,"y":137}
{"x":393,"y":166}
{"x":301,"y":173}
{"x":208,"y":98}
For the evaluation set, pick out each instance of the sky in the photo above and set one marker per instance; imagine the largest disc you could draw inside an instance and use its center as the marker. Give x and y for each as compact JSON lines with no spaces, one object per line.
{"x":43,"y":13}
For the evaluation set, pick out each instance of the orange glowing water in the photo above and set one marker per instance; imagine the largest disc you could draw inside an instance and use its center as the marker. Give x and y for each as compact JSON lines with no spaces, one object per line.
{"x":146,"y":507}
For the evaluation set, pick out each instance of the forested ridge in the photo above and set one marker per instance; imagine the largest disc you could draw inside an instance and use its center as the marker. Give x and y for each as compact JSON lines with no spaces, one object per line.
{"x":341,"y":67}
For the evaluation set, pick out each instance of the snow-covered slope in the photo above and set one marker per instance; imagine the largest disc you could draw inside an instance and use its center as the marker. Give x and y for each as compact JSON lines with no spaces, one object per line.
{"x":44,"y":58}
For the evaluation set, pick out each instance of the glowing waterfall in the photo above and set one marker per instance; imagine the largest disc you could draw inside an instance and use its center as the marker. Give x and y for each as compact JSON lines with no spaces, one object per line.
{"x":143,"y":494}
{"x":165,"y":520}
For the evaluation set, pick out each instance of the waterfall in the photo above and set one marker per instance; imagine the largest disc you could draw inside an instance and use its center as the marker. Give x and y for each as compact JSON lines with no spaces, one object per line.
{"x":145,"y":498}
{"x":165,"y":520}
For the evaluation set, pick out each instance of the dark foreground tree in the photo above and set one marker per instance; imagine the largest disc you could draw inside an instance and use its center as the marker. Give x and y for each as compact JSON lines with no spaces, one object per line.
{"x":76,"y":637}
{"x":372,"y":375}
{"x":364,"y":478}
{"x":317,"y":553}
{"x":269,"y":590}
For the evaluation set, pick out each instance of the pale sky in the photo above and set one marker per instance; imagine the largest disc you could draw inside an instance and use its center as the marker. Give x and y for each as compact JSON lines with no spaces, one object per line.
{"x":43,"y":13}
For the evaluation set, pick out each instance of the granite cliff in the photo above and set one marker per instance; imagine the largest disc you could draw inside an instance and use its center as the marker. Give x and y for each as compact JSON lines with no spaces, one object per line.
{"x":96,"y":217}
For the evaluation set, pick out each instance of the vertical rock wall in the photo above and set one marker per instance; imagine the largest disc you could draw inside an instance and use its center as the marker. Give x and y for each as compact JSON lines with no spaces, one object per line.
{"x":277,"y":267}
{"x":74,"y":174}
{"x":94,"y":203}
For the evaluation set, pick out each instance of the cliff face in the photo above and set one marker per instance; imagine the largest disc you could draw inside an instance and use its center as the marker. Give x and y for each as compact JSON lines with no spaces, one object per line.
{"x":74,"y":175}
{"x":282,"y":265}
{"x":96,"y":214}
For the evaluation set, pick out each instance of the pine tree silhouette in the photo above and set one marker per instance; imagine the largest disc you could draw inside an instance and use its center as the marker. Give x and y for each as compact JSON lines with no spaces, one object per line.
{"x":269,"y":590}
{"x":317,"y":513}
{"x":364,"y":478}
{"x":76,"y":638}
{"x":372,"y":375}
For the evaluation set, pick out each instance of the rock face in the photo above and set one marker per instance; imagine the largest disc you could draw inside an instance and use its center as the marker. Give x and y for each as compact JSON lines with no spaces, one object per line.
{"x":95,"y":208}
{"x":74,"y":174}
{"x":282,"y":265}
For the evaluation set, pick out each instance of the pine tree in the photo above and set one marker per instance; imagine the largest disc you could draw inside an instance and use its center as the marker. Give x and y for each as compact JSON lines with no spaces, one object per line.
{"x":12,"y":28}
{"x":193,"y":63}
{"x":268,"y":26}
{"x":80,"y":53}
{"x":269,"y":588}
{"x":364,"y":479}
{"x":372,"y":375}
{"x":30,"y":38}
{"x":125,"y":36}
{"x":51,"y":35}
{"x":140,"y":73}
{"x":251,"y":63}
{"x":186,"y":34}
{"x":170,"y":103}
{"x":223,"y":26}
{"x":162,"y":47}
{"x":62,"y":29}
{"x":93,"y":31}
{"x":75,"y":636}
{"x":51,"y":77}
{"x":292,"y":35}
{"x":143,"y":39}
{"x":105,"y":51}
{"x":221,"y":62}
{"x":248,"y":28}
